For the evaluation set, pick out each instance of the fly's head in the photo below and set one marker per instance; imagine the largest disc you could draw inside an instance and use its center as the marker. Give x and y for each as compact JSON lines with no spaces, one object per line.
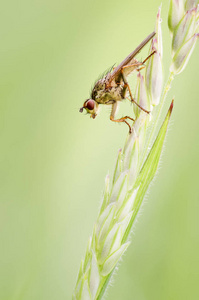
{"x":91,"y":107}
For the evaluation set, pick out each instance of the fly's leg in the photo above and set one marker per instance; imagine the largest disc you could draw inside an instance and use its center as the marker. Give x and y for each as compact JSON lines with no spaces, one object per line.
{"x":152,"y":53}
{"x":132,"y":65}
{"x":141,"y":68}
{"x":126,"y":85}
{"x":123,"y":119}
{"x":130,"y":68}
{"x":136,"y":64}
{"x":139,"y":63}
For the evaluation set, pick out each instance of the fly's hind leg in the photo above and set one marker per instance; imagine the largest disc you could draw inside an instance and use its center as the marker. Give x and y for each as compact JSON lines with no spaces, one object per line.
{"x":152,"y":53}
{"x":123,"y":119}
{"x":138,"y":66}
{"x":143,"y":66}
{"x":126,"y":85}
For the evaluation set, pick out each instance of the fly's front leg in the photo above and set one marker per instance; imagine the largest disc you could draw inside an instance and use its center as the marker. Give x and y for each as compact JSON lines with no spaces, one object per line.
{"x":112,"y":116}
{"x":126,"y":85}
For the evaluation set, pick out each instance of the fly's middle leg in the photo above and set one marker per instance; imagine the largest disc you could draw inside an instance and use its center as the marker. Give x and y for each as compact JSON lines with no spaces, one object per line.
{"x":126,"y":85}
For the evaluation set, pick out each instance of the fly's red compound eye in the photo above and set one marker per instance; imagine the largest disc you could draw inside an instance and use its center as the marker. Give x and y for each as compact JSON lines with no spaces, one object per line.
{"x":90,"y":104}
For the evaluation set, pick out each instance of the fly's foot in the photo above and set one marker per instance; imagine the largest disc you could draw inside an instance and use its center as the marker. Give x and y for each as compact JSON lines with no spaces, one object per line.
{"x":133,"y":101}
{"x":123,"y":119}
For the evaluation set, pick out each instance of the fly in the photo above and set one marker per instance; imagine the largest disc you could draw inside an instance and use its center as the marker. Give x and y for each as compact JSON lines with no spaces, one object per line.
{"x":113,"y":87}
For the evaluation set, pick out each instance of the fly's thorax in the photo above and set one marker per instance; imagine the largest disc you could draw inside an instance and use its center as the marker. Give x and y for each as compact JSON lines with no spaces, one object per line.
{"x":99,"y":86}
{"x":107,"y":95}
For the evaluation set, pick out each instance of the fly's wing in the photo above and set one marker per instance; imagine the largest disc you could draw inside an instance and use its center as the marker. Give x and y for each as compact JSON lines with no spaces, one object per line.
{"x":129,"y":58}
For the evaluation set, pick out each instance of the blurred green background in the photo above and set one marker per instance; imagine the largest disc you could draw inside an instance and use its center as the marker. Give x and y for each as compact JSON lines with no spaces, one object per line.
{"x":54,"y":160}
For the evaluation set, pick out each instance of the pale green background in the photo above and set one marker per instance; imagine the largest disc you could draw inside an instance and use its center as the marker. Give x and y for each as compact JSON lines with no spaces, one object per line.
{"x":54,"y":160}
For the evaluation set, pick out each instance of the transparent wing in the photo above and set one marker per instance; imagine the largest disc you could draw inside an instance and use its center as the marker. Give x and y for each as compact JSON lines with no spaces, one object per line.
{"x":129,"y":58}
